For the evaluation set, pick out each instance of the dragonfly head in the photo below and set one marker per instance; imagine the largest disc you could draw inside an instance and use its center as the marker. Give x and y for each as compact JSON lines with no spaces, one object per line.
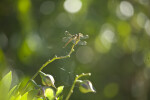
{"x":80,"y":34}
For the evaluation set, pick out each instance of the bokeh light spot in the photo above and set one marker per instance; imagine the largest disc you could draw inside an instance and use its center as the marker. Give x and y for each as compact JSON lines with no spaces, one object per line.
{"x":147,"y":27}
{"x":3,"y":62}
{"x":147,"y":59}
{"x":3,"y":40}
{"x":15,"y":41}
{"x":105,"y":39}
{"x":111,"y":90}
{"x":147,"y":72}
{"x":144,"y":2}
{"x":107,"y":33}
{"x":126,"y":9}
{"x":24,"y":52}
{"x":34,"y":42}
{"x":24,"y":5}
{"x":2,"y":57}
{"x":100,"y":47}
{"x":30,"y":45}
{"x":47,"y":7}
{"x":84,"y":54}
{"x":72,"y":6}
{"x":141,"y":19}
{"x":131,"y":43}
{"x":63,"y":20}
{"x":124,"y":29}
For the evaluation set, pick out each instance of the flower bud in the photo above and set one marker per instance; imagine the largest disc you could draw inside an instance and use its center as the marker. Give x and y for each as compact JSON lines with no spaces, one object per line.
{"x":46,"y":92}
{"x":86,"y":86}
{"x":41,"y":92}
{"x":47,"y":79}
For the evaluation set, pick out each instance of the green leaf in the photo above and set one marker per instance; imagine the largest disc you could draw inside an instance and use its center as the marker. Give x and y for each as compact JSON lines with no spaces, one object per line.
{"x":25,"y":96}
{"x":32,"y":94}
{"x":59,"y":90}
{"x":15,"y":92}
{"x":18,"y":98}
{"x":5,"y":85}
{"x":39,"y":99}
{"x":10,"y":92}
{"x":49,"y":93}
{"x":15,"y":97}
{"x":6,"y":81}
{"x":60,"y":97}
{"x":12,"y":98}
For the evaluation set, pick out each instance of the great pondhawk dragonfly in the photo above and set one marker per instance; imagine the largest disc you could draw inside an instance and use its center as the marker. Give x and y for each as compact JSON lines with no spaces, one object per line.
{"x":73,"y":38}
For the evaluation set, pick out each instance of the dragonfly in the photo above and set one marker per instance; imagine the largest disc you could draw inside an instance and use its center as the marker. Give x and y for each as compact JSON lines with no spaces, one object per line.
{"x":73,"y":38}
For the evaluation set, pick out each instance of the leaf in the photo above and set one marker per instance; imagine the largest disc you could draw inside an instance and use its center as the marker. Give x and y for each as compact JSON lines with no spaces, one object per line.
{"x":32,"y":94}
{"x":11,"y":91}
{"x":16,"y":89}
{"x":15,"y":97}
{"x":59,"y":90}
{"x":60,"y":97}
{"x":39,"y":99}
{"x":5,"y":85}
{"x":49,"y":93}
{"x":18,"y":98}
{"x":12,"y":98}
{"x":25,"y":96}
{"x":6,"y":81}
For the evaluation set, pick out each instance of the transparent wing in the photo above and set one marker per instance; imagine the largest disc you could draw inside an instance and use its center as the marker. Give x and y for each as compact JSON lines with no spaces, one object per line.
{"x":65,"y":39}
{"x":73,"y":41}
{"x":84,"y":36}
{"x":82,"y":43}
{"x":68,"y":34}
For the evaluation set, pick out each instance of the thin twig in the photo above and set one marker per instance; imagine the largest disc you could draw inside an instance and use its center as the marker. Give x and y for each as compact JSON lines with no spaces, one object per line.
{"x":73,"y":85}
{"x":48,"y":62}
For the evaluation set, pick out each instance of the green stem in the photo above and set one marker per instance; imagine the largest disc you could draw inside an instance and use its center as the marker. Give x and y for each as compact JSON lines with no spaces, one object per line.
{"x":73,"y":85}
{"x":48,"y":62}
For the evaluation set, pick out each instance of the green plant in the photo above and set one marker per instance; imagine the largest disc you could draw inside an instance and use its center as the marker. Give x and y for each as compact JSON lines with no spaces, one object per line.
{"x":47,"y":91}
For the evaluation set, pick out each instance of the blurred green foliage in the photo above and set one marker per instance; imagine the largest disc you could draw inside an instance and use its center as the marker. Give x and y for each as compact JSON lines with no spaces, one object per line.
{"x":117,"y":54}
{"x":34,"y":94}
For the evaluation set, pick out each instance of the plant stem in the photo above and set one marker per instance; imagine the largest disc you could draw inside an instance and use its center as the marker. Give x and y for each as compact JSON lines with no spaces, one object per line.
{"x":73,"y":85}
{"x":48,"y":62}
